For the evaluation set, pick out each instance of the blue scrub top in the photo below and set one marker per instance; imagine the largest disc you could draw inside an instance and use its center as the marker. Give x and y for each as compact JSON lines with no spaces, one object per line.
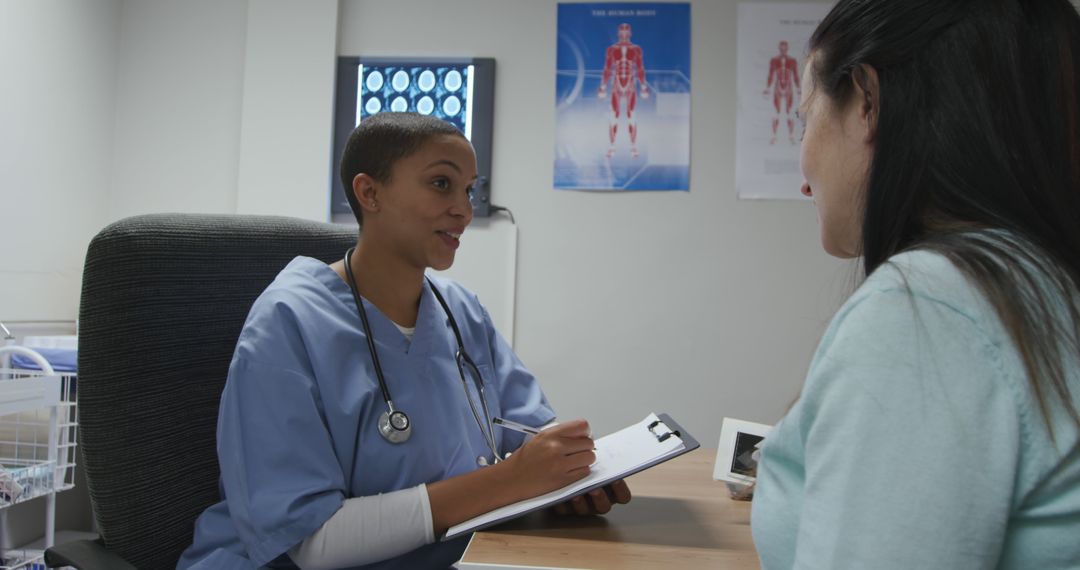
{"x":297,"y":426}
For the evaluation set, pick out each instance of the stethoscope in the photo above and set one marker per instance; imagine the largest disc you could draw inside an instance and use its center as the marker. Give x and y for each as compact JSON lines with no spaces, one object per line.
{"x":394,"y":425}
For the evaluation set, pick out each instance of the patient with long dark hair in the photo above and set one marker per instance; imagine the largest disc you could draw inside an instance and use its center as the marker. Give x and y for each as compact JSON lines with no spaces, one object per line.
{"x":938,"y":426}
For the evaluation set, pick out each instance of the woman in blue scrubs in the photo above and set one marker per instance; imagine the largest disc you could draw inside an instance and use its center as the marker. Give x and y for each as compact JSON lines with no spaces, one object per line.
{"x":939,"y":425}
{"x":317,"y":470}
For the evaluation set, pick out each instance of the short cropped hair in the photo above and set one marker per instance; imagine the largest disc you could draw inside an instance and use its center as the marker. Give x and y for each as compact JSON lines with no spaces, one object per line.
{"x":380,"y":141}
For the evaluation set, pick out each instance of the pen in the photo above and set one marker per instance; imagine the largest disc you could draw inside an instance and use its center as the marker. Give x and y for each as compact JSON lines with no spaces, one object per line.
{"x":503,"y":423}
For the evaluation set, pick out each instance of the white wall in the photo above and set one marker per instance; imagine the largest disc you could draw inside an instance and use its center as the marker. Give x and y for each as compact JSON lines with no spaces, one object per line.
{"x":178,"y":102}
{"x":286,"y":125}
{"x":57,"y":93}
{"x":693,"y":303}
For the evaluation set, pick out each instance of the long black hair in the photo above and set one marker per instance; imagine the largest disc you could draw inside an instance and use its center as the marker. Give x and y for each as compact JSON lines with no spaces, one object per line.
{"x":977,"y":130}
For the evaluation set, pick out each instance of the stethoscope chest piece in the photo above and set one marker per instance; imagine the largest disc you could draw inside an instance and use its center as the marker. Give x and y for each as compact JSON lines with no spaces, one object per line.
{"x":395,"y":426}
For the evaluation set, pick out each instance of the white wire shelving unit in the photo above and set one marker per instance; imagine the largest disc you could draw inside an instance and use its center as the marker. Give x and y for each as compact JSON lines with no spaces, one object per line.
{"x":38,"y":421}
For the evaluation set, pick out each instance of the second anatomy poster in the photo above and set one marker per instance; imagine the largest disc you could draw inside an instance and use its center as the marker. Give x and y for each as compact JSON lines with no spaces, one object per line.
{"x":622,"y":97}
{"x":772,"y":39}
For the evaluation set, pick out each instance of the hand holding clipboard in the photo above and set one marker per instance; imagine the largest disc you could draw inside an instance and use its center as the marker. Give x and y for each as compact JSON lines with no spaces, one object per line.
{"x":632,"y":449}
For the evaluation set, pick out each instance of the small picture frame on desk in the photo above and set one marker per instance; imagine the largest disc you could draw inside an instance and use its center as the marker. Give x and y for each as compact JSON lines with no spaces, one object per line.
{"x":738,"y":454}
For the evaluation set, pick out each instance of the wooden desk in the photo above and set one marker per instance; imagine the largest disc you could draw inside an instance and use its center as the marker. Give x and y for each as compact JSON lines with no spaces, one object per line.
{"x":679,"y":518}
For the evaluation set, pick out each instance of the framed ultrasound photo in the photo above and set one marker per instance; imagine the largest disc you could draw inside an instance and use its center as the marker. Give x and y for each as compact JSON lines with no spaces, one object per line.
{"x":740,"y":449}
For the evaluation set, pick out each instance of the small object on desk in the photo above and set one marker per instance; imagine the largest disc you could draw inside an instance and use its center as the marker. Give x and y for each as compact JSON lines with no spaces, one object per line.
{"x":738,"y":454}
{"x":740,"y":491}
{"x":512,"y":425}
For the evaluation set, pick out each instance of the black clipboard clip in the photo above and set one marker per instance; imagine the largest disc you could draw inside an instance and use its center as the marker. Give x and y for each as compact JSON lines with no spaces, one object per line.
{"x":663,"y":436}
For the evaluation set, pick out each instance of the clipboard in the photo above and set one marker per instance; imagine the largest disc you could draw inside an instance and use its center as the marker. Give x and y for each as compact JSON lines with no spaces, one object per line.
{"x":619,"y":455}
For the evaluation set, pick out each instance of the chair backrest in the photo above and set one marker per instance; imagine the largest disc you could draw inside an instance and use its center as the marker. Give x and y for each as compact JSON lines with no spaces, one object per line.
{"x":163,"y":300}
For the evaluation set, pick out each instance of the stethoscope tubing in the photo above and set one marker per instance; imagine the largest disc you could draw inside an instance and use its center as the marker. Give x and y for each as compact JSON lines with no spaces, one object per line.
{"x":489,"y":434}
{"x":367,"y":328}
{"x":460,"y":358}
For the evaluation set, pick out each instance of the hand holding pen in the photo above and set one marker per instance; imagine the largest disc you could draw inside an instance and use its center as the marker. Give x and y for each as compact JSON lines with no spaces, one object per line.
{"x":521,"y":428}
{"x":597,"y":501}
{"x":514,"y":426}
{"x":551,"y":459}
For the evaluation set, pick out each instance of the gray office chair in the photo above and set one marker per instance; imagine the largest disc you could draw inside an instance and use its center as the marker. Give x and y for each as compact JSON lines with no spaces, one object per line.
{"x":163,"y":300}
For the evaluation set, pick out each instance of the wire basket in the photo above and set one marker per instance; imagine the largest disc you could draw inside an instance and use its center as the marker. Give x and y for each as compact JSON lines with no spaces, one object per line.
{"x":25,"y":482}
{"x":38,"y":423}
{"x":29,"y":399}
{"x":22,"y":560}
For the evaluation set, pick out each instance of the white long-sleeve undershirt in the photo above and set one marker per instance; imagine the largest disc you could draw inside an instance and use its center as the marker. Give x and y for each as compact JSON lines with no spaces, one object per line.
{"x":369,"y":529}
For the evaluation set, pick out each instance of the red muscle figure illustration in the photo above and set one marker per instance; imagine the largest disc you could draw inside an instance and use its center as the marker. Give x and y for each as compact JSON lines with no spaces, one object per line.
{"x":624,"y":62}
{"x":784,"y":82}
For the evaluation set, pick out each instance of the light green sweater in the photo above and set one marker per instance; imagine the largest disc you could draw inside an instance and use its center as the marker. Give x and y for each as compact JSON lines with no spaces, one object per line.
{"x":917,"y":442}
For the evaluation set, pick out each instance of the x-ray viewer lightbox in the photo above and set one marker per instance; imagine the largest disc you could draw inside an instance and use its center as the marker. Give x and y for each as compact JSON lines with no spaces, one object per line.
{"x":460,"y":91}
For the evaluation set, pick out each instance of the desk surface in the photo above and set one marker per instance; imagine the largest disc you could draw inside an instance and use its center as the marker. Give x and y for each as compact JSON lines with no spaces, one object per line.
{"x":679,"y":518}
